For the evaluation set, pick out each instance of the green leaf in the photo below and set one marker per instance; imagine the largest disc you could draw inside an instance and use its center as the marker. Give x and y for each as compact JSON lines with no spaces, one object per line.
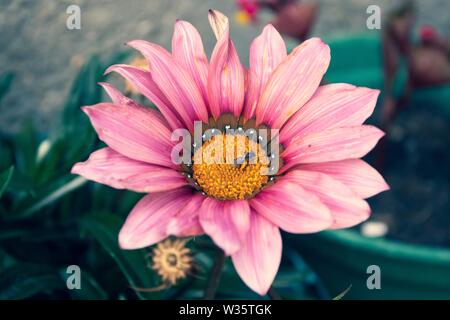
{"x":6,"y":260}
{"x":43,"y":245}
{"x":26,"y":280}
{"x":5,"y":178}
{"x":84,"y":90}
{"x":6,"y":155}
{"x":133,"y":263}
{"x":49,"y":197}
{"x":8,"y":232}
{"x":343,"y":293}
{"x":25,"y":146}
{"x":50,"y":160}
{"x":5,"y":83}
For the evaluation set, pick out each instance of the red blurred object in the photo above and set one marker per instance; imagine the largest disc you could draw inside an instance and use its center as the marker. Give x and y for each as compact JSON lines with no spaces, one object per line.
{"x":250,"y":7}
{"x":428,"y":33}
{"x":431,"y":38}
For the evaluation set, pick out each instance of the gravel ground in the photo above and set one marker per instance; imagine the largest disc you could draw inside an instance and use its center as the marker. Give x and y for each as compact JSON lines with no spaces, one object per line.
{"x":416,"y":208}
{"x":45,"y":55}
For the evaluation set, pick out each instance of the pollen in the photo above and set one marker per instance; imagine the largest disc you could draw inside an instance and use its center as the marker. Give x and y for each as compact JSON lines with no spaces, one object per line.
{"x":172,"y":260}
{"x":230,"y":167}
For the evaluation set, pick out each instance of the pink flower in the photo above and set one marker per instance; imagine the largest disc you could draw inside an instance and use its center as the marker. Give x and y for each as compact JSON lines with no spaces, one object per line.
{"x":321,"y":185}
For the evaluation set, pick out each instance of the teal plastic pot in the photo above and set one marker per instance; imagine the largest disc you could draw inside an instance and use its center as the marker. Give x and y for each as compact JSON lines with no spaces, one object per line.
{"x":341,"y":258}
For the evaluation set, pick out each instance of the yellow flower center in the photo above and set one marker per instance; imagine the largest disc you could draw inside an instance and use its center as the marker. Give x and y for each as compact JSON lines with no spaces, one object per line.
{"x":230,"y":167}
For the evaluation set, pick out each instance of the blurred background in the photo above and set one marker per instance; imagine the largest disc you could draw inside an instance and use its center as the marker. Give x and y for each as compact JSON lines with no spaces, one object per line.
{"x":50,"y":219}
{"x":36,"y":42}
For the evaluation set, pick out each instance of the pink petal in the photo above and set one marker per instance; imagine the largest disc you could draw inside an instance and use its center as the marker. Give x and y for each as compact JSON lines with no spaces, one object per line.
{"x":259,"y":257}
{"x":114,"y":169}
{"x":175,"y":82}
{"x":143,"y":81}
{"x":137,"y":133}
{"x":218,"y":22}
{"x":116,"y":96}
{"x":186,"y":222}
{"x":332,"y":106}
{"x":226,"y":222}
{"x":356,"y":174}
{"x":345,"y":206}
{"x":292,"y":208}
{"x":187,"y":49}
{"x":331,"y":145}
{"x":266,"y":53}
{"x":293,"y":83}
{"x":147,"y":222}
{"x":225,"y":74}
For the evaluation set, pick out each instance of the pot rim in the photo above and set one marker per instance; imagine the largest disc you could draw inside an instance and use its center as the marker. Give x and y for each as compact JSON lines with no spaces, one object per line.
{"x":388,"y":247}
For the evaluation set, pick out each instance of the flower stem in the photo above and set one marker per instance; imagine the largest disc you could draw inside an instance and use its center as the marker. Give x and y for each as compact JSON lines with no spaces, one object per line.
{"x":214,"y":277}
